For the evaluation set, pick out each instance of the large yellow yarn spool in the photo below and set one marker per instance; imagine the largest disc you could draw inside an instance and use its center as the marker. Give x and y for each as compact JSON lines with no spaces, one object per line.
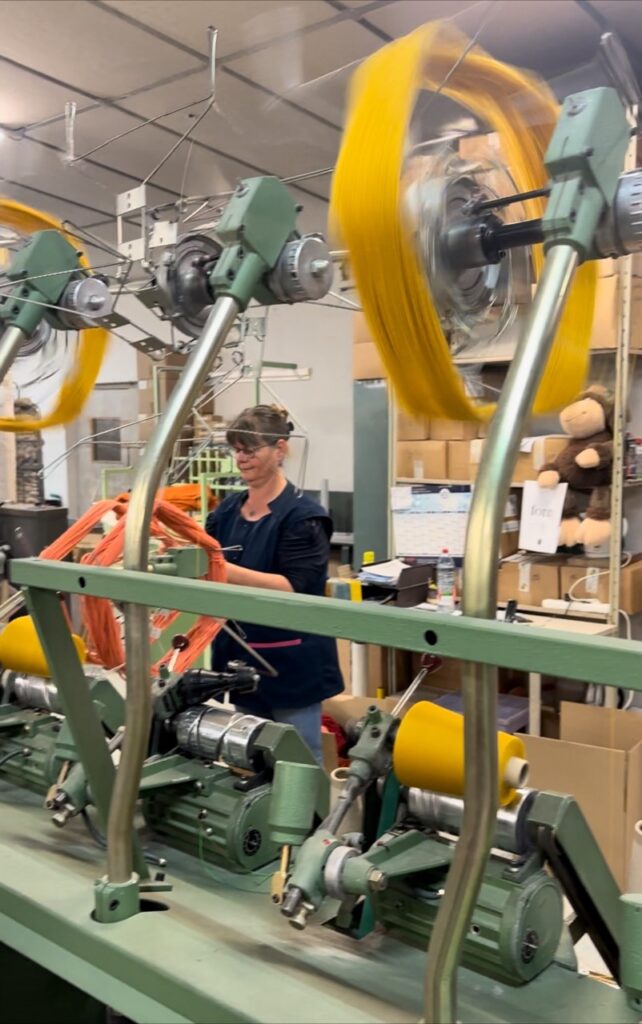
{"x":367,"y":203}
{"x":21,"y":650}
{"x":429,"y":752}
{"x":81,"y":377}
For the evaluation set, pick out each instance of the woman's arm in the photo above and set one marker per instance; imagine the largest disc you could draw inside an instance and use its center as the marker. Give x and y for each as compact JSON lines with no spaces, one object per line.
{"x":242,"y":577}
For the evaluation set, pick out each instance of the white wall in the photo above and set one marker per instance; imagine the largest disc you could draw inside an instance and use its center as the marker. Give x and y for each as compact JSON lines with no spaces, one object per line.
{"x":320,"y":339}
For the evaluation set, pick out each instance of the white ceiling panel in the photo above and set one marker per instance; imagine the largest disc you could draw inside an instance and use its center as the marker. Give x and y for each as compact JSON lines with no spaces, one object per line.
{"x":24,"y":98}
{"x":240,"y":24}
{"x":403,"y":16}
{"x":246,"y":124}
{"x":79,"y":43}
{"x":548,"y":35}
{"x":289,"y":68}
{"x":31,"y":164}
{"x":137,"y":153}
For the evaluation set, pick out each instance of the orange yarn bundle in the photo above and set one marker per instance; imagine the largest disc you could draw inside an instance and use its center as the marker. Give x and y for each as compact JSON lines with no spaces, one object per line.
{"x":171,"y":526}
{"x":185,"y":496}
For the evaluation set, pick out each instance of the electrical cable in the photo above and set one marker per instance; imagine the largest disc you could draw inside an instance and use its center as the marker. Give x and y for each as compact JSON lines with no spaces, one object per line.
{"x":100,"y":840}
{"x":12,"y":754}
{"x":366,"y":212}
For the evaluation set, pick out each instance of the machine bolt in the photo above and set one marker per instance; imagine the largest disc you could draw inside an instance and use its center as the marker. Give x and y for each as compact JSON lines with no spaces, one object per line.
{"x":199,"y":787}
{"x":377,"y":880}
{"x":202,"y":814}
{"x":318,"y":267}
{"x":96,"y":302}
{"x":209,"y":831}
{"x":530,"y":946}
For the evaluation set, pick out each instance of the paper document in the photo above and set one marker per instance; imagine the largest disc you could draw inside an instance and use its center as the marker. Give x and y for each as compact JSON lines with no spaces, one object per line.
{"x":383,"y":572}
{"x":541,"y":517}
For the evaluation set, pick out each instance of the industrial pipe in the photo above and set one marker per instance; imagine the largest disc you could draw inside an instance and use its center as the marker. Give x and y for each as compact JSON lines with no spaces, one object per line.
{"x":479,"y":600}
{"x":136,"y":555}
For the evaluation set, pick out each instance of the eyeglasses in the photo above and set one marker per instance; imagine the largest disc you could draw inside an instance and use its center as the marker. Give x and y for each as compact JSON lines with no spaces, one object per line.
{"x":249,"y":453}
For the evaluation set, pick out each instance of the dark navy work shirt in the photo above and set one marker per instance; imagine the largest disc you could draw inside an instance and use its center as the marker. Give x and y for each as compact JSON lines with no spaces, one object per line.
{"x":292,"y":541}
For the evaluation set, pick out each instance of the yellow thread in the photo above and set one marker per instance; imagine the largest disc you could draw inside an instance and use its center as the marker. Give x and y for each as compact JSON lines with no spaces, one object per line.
{"x":429,"y":752}
{"x":81,"y":377}
{"x":366,"y":213}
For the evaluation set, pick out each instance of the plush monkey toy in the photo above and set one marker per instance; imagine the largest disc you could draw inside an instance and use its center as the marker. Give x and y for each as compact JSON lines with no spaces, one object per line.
{"x":585,"y":465}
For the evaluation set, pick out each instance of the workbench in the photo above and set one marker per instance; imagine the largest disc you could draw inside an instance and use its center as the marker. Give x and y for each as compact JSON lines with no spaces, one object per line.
{"x":223,"y":953}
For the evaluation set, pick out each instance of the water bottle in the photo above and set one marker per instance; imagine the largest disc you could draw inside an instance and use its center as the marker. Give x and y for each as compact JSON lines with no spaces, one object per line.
{"x":446,"y":582}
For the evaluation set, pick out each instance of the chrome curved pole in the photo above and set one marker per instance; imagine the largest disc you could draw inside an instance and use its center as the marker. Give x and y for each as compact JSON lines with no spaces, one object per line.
{"x":10,"y":343}
{"x":141,"y":503}
{"x":479,"y":599}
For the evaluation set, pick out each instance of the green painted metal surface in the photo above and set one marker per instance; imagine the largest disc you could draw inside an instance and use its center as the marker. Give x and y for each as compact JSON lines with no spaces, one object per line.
{"x":77,"y":704}
{"x":606,"y":660}
{"x":584,"y":158}
{"x":37,"y":284}
{"x":631,"y":932}
{"x":371,"y":453}
{"x":223,"y":955}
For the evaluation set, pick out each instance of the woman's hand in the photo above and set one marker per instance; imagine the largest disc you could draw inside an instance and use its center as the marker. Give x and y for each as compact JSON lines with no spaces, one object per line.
{"x":242,"y":577}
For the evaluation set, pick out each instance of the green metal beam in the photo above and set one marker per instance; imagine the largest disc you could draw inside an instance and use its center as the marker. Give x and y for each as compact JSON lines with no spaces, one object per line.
{"x":77,"y":704}
{"x":606,"y":660}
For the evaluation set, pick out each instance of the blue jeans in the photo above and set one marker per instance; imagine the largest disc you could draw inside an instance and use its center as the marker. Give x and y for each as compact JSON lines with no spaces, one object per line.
{"x":307,"y":722}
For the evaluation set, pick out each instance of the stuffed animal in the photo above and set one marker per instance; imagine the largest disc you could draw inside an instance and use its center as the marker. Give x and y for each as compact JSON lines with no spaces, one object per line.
{"x":585,"y":465}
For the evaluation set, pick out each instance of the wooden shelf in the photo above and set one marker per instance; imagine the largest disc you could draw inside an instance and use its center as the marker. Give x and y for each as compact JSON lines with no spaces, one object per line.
{"x":554,"y":613}
{"x":488,"y":359}
{"x":444,"y":483}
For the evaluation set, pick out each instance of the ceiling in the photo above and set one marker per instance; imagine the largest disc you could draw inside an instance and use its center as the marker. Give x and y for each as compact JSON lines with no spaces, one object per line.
{"x":282,"y":67}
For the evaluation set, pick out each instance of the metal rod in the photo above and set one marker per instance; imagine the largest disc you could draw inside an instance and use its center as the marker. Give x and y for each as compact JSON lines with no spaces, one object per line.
{"x":10,"y":343}
{"x":148,"y":476}
{"x":479,"y":599}
{"x":519,"y":197}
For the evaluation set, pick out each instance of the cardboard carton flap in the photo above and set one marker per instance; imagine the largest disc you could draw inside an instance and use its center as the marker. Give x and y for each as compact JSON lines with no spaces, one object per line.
{"x":597,"y":778}
{"x":600,"y":727}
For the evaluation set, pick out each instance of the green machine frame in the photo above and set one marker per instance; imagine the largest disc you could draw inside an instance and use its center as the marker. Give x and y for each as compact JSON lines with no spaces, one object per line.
{"x":219,"y":954}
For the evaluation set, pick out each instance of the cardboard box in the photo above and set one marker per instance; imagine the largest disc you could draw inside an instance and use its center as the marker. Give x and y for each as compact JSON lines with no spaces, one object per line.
{"x":411,"y":428}
{"x":544,"y":449}
{"x":604,"y":333}
{"x":366,"y":362}
{"x":459,"y":465}
{"x":528,"y":580}
{"x":631,"y":587}
{"x":422,"y":460}
{"x":453,"y":430}
{"x":596,"y":587}
{"x":345,"y":708}
{"x":360,"y":330}
{"x":595,"y":582}
{"x":598,"y":760}
{"x":508,"y":542}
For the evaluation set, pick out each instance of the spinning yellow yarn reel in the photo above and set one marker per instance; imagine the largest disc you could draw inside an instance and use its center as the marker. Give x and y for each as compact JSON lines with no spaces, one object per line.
{"x":476,"y":299}
{"x":47,"y":283}
{"x":437,"y":260}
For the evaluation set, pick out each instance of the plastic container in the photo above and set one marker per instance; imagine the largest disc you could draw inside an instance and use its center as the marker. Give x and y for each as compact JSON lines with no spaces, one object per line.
{"x":446,"y":583}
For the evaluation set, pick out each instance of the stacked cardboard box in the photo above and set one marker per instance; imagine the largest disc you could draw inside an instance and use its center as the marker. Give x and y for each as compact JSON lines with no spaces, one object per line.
{"x":589,"y":578}
{"x":598,"y":760}
{"x":528,"y":579}
{"x":366,"y":361}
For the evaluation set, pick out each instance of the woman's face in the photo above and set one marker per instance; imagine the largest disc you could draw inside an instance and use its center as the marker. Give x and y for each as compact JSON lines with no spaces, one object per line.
{"x":257,"y":466}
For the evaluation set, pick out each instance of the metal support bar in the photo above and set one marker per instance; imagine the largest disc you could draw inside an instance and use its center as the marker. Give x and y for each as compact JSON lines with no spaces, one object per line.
{"x":595,"y":659}
{"x":10,"y":342}
{"x":75,"y":700}
{"x":137,"y":645}
{"x":479,"y":598}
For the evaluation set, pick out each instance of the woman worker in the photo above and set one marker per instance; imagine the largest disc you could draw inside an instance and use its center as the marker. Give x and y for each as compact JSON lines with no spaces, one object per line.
{"x":284,"y":541}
